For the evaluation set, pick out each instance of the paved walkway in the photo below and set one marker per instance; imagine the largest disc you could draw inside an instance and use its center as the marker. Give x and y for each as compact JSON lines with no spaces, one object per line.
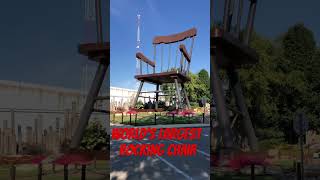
{"x":162,"y":167}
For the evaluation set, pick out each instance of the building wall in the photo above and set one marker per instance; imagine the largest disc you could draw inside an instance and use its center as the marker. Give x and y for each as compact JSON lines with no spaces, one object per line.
{"x":121,"y":97}
{"x":41,"y":101}
{"x":30,"y":102}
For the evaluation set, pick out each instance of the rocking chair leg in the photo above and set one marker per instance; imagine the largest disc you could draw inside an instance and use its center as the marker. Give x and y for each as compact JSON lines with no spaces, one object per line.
{"x":157,"y":97}
{"x":177,"y":92}
{"x":137,"y":96}
{"x":240,"y":102}
{"x":185,"y":95}
{"x":87,"y":108}
{"x":219,"y":99}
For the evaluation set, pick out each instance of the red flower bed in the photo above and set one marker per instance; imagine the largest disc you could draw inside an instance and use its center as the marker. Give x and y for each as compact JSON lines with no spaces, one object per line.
{"x":131,"y":112}
{"x":74,"y":158}
{"x":38,"y":159}
{"x":174,"y":112}
{"x":187,"y":112}
{"x":248,"y":159}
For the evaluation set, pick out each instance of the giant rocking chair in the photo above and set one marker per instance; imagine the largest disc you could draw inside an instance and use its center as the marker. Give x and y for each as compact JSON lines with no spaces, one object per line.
{"x":177,"y":75}
{"x":230,"y":52}
{"x":99,"y":52}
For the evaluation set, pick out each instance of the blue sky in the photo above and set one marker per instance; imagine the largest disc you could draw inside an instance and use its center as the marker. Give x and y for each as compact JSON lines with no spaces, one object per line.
{"x":39,"y":38}
{"x":274,"y":17}
{"x":157,"y":18}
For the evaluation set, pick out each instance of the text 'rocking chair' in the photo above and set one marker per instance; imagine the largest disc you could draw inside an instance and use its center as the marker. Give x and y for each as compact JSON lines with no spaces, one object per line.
{"x":177,"y":75}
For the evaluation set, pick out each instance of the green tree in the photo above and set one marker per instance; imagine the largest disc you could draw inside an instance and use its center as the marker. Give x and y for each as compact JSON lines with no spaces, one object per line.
{"x":169,"y":90}
{"x":191,"y":87}
{"x":204,"y":77}
{"x":196,"y":88}
{"x":284,"y":80}
{"x":199,"y":86}
{"x":299,"y":46}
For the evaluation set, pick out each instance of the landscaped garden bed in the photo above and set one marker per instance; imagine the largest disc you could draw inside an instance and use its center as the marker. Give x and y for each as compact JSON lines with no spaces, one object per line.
{"x":153,"y":118}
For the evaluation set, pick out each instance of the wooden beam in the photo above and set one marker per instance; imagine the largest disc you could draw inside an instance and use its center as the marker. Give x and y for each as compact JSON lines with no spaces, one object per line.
{"x":175,"y":37}
{"x":184,"y":51}
{"x":140,"y":56}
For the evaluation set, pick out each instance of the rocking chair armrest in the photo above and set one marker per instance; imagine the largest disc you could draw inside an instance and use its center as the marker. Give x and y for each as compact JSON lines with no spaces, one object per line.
{"x":184,"y":51}
{"x":143,"y":58}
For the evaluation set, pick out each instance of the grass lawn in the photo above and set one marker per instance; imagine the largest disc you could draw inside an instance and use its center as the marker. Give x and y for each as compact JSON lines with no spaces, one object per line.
{"x":145,"y":118}
{"x":29,"y":172}
{"x":286,"y":165}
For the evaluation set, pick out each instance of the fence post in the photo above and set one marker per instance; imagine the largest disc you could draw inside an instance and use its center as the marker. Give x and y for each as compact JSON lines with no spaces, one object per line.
{"x":298,"y":170}
{"x":172,"y":118}
{"x":203,"y":118}
{"x":155,"y":118}
{"x":40,"y":171}
{"x":83,"y":172}
{"x":252,"y":171}
{"x":122,"y":117}
{"x":135,"y":120}
{"x":13,"y":172}
{"x":65,"y":172}
{"x":54,"y":168}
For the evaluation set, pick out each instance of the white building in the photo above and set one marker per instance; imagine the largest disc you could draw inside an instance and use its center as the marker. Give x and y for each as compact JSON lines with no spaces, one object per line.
{"x":29,"y":101}
{"x":122,"y":97}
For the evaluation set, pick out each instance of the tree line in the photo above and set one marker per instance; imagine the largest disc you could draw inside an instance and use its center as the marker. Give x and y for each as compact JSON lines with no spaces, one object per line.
{"x":285,"y":80}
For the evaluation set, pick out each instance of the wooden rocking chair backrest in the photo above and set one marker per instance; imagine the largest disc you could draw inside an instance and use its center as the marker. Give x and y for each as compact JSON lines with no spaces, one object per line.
{"x":185,"y":57}
{"x":185,"y":54}
{"x":175,"y":37}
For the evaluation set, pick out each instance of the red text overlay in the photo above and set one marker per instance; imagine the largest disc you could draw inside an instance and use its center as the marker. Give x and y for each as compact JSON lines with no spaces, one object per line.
{"x":137,"y":147}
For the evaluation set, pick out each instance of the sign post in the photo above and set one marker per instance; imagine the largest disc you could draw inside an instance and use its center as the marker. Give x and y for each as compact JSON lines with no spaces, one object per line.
{"x":300,"y":126}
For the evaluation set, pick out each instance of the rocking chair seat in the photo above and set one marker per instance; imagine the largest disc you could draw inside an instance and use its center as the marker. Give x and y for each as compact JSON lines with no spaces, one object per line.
{"x":163,"y":77}
{"x":95,"y":51}
{"x":230,"y":51}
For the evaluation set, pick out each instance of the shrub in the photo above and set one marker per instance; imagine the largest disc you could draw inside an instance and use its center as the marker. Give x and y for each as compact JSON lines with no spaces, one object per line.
{"x":139,"y":105}
{"x":95,"y":137}
{"x":194,"y":104}
{"x":270,"y":143}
